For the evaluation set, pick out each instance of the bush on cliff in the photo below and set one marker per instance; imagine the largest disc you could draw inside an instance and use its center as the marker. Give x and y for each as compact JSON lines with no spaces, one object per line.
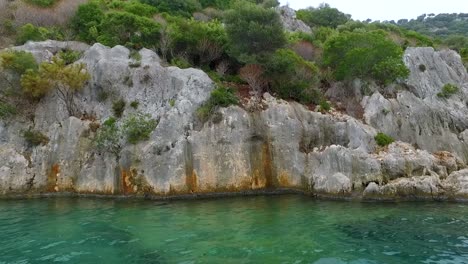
{"x":291,"y":77}
{"x":365,"y":55}
{"x":252,"y":31}
{"x":108,"y":137}
{"x":220,"y":97}
{"x":18,"y":61}
{"x":383,"y":140}
{"x":448,"y":90}
{"x":138,"y":127}
{"x":6,"y":110}
{"x":35,"y":138}
{"x":65,"y":79}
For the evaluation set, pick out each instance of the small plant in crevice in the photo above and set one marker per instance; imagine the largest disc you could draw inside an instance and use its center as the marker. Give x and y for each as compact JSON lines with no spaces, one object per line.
{"x":118,"y":107}
{"x":135,"y":56}
{"x":70,"y":56}
{"x":108,"y":137}
{"x":35,"y":138}
{"x":448,"y":90}
{"x":383,"y":139}
{"x":7,"y":110}
{"x":134,"y":104}
{"x":172,"y":102}
{"x":422,"y":67}
{"x":102,"y":96}
{"x":220,"y":97}
{"x":138,"y":127}
{"x":324,"y":106}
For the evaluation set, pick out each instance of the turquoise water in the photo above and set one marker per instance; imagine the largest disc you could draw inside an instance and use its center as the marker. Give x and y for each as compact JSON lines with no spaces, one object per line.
{"x":286,"y":229}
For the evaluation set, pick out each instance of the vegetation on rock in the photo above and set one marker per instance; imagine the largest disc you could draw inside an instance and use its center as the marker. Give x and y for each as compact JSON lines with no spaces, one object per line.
{"x":383,"y":140}
{"x":448,"y":90}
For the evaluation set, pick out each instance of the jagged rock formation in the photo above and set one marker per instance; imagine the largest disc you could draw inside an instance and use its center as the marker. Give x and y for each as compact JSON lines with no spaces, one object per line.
{"x":290,"y":22}
{"x":283,"y":146}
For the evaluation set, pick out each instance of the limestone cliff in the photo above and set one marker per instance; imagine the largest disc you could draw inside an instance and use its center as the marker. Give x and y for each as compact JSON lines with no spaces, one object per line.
{"x":285,"y":145}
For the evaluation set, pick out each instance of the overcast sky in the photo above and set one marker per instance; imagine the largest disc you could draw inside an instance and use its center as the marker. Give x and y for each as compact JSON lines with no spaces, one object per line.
{"x":388,"y":9}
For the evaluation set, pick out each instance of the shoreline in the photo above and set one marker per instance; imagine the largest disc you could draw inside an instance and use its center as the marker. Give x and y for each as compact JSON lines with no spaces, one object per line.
{"x":354,"y":197}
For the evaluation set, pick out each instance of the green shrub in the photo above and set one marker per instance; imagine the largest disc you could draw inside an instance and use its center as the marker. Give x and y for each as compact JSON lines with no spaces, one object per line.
{"x":324,"y":106}
{"x":42,"y":3}
{"x":136,"y":59}
{"x":70,"y":56}
{"x":324,"y":16}
{"x":86,"y":21}
{"x":35,"y":138}
{"x":66,"y":80}
{"x":123,"y":28}
{"x":102,"y":96}
{"x":252,"y":31}
{"x":108,"y":137}
{"x":220,"y":97}
{"x":175,"y":7}
{"x":138,"y":127}
{"x":388,"y":70}
{"x":205,"y":43}
{"x":7,"y":110}
{"x":290,"y":76}
{"x":448,"y":90}
{"x":133,"y":7}
{"x":383,"y":140}
{"x":181,"y":63}
{"x":134,"y":104}
{"x":118,"y":107}
{"x":364,"y":55}
{"x":30,"y":32}
{"x":18,"y":61}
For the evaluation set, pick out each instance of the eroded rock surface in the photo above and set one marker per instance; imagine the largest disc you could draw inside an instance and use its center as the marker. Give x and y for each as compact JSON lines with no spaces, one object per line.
{"x":285,"y":145}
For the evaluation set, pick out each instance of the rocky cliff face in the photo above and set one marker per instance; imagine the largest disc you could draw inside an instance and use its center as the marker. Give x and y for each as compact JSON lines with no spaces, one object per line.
{"x":282,"y":146}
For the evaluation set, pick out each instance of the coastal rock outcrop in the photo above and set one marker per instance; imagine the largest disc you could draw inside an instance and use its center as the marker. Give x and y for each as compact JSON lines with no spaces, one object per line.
{"x":282,"y":146}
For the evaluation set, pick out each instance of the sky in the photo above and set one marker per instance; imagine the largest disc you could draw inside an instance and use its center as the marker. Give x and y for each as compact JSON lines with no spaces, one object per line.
{"x":386,"y":10}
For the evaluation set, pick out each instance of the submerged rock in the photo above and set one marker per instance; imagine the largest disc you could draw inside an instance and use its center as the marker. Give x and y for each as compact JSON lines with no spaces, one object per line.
{"x":284,"y":145}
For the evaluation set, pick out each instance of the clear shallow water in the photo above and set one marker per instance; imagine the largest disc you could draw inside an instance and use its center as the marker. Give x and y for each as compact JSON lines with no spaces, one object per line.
{"x":286,"y":229}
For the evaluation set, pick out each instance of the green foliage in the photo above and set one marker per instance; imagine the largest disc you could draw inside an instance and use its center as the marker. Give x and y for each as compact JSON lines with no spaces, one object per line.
{"x":422,"y":67}
{"x":387,"y":71}
{"x":35,"y":138}
{"x":42,"y":3}
{"x":18,"y":61}
{"x":7,"y":110}
{"x":365,"y":55}
{"x":128,"y":29}
{"x":324,"y":106}
{"x":441,"y":25}
{"x":69,"y":56}
{"x":102,"y":96}
{"x":324,"y":16}
{"x":86,"y":21}
{"x":220,"y":97}
{"x":183,"y":8}
{"x":383,"y":140}
{"x":134,"y":104}
{"x":108,"y":137}
{"x":134,"y":7}
{"x":30,"y":32}
{"x":172,"y":102}
{"x":181,"y":62}
{"x":138,"y":127}
{"x":291,"y":77}
{"x":65,"y":79}
{"x":252,"y":31}
{"x":118,"y":107}
{"x":205,"y":43}
{"x":448,"y":90}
